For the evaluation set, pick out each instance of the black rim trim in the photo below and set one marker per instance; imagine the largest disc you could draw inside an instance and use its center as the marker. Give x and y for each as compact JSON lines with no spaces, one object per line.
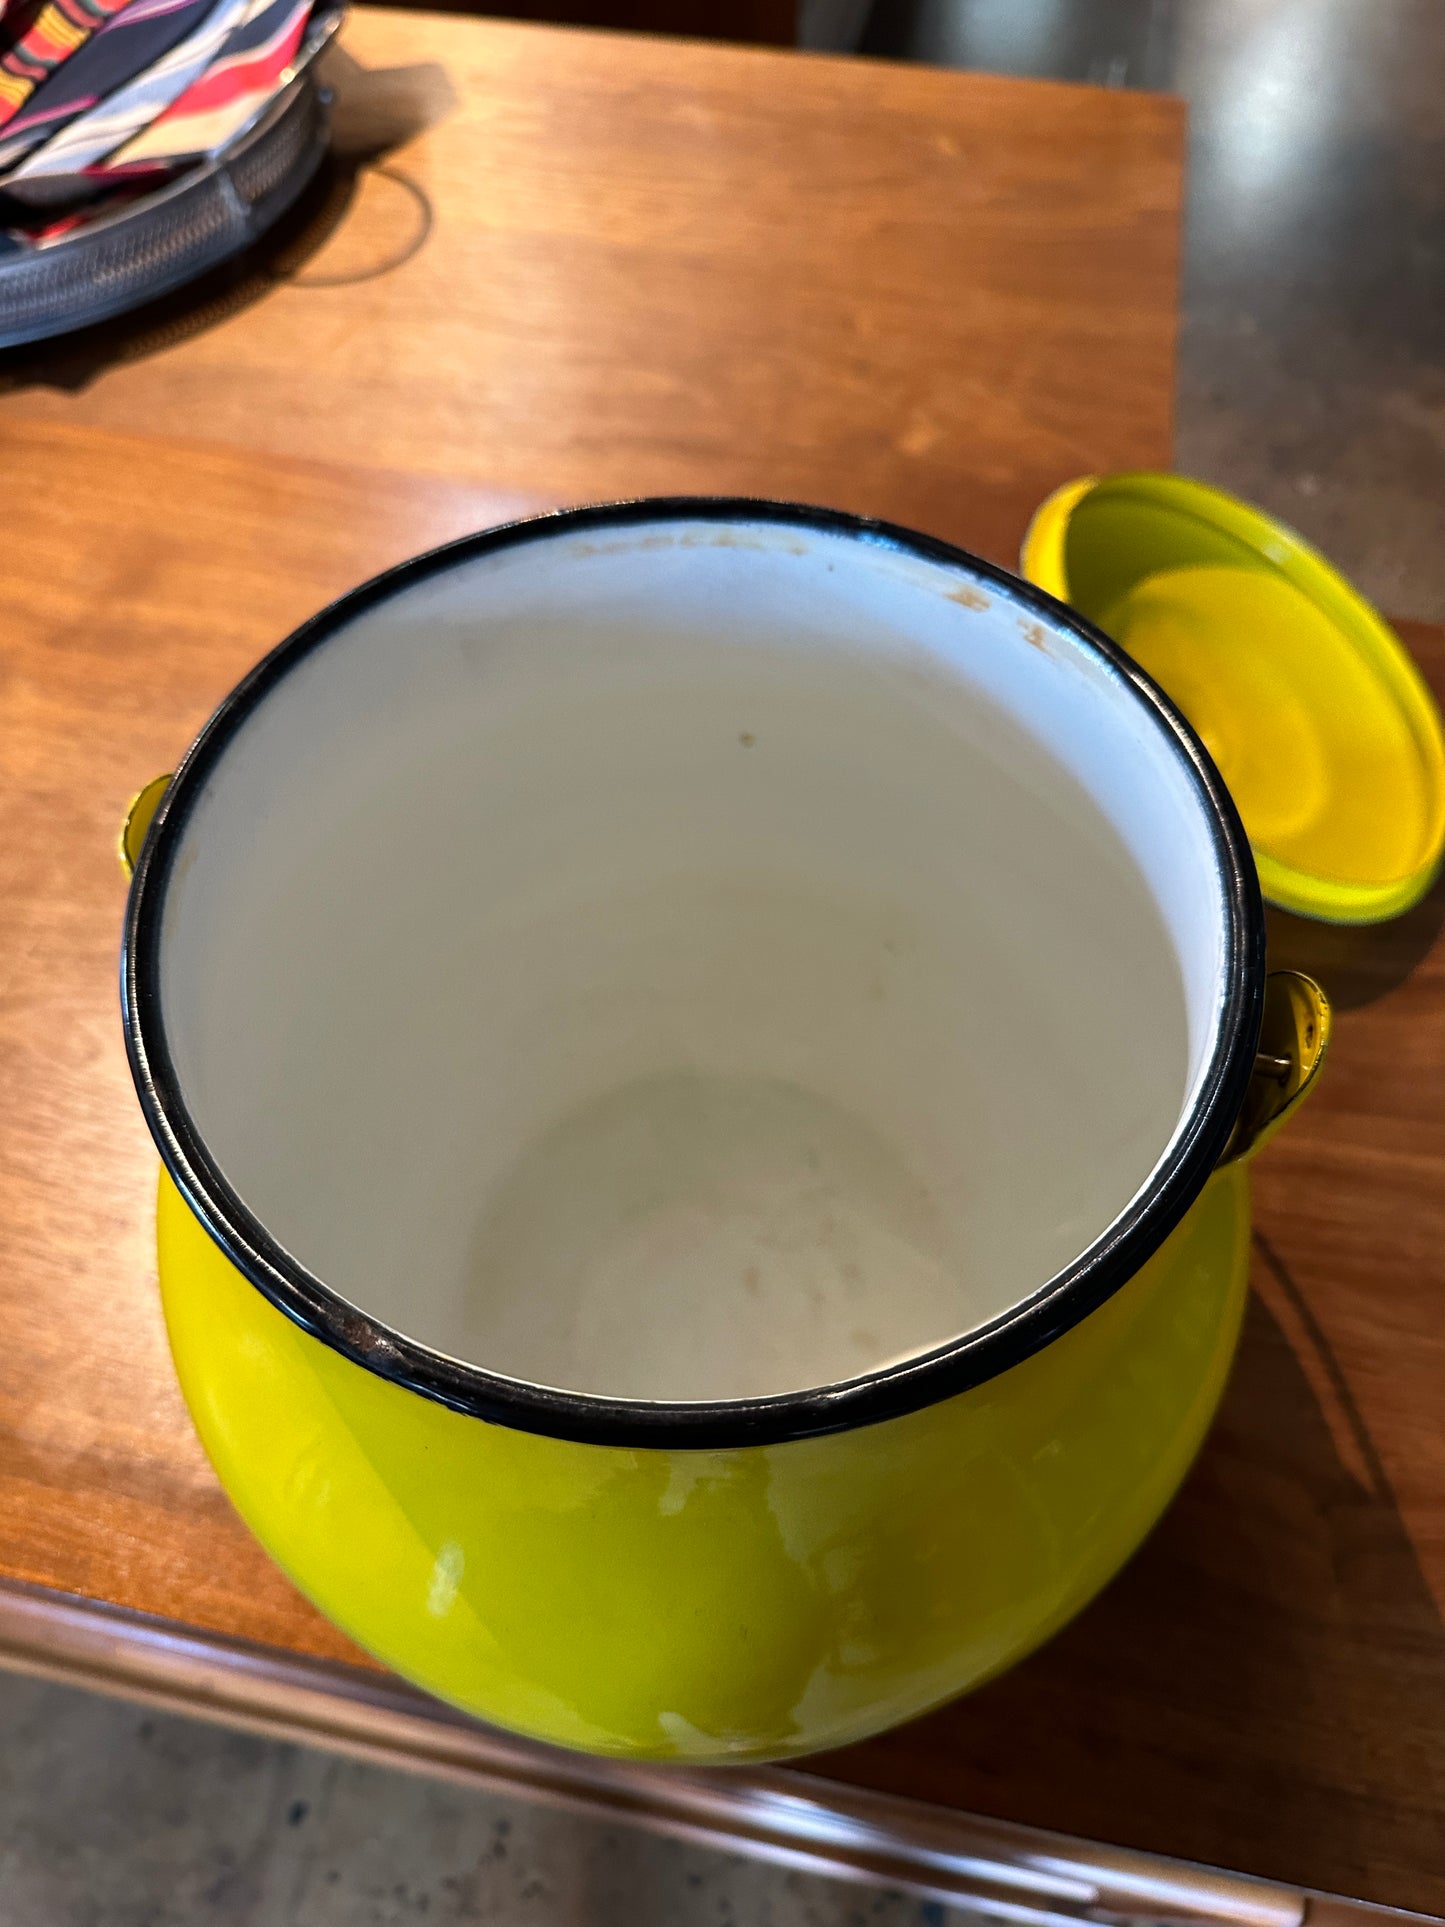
{"x":888,"y":1393}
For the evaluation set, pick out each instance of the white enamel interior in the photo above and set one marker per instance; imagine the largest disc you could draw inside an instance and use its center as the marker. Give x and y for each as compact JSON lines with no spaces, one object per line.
{"x":692,"y":961}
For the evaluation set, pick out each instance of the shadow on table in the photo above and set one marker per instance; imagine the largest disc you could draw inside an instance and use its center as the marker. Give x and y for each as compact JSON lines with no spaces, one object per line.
{"x":1263,"y":1687}
{"x":1357,"y":964}
{"x":374,"y":113}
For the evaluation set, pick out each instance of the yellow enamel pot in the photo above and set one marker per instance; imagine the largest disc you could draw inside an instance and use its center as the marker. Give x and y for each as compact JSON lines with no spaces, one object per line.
{"x":704,"y":1054}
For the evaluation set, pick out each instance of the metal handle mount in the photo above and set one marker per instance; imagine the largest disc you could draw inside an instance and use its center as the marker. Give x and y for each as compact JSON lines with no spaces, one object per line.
{"x":1293,"y":1039}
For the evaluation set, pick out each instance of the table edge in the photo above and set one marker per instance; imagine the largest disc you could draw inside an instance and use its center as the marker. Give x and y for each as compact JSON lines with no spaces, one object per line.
{"x":801,"y":1819}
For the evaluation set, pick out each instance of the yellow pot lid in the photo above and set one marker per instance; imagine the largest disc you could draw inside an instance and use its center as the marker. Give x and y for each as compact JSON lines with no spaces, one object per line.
{"x":1318,"y":719}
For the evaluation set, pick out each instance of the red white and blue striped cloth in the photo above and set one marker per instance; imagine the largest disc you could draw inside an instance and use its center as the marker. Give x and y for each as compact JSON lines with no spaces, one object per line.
{"x":41,"y":43}
{"x":231,"y":93}
{"x":132,"y":40}
{"x":123,"y":114}
{"x":152,"y":89}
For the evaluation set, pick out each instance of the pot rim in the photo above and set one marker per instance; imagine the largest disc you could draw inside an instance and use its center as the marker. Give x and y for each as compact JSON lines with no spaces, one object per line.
{"x":891,"y":1390}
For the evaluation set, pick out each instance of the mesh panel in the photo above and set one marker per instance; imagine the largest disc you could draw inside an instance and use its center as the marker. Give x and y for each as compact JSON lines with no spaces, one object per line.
{"x":156,"y":244}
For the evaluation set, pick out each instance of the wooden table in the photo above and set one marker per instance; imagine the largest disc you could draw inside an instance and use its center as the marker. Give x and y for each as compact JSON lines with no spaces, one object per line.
{"x":554,"y":266}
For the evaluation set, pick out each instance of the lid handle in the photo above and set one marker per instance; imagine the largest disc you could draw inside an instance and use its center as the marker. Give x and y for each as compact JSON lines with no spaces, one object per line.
{"x":1293,"y":1039}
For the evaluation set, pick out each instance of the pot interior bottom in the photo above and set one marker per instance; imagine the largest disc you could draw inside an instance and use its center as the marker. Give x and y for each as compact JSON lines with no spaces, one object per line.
{"x":723,"y":1236}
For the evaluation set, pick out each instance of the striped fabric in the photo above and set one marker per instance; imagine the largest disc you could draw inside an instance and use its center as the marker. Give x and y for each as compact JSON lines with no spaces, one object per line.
{"x":230,"y":94}
{"x":124,"y":113}
{"x":129,"y":42}
{"x":49,"y":227}
{"x":56,"y":31}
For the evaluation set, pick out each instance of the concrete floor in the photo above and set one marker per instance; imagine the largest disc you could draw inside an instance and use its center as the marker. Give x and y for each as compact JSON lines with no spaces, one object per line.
{"x":1312,"y":380}
{"x":1312,"y":360}
{"x":112,"y":1816}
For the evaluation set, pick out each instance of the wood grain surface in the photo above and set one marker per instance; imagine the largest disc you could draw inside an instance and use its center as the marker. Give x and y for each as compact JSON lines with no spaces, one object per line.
{"x":609,"y":266}
{"x":655,"y":267}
